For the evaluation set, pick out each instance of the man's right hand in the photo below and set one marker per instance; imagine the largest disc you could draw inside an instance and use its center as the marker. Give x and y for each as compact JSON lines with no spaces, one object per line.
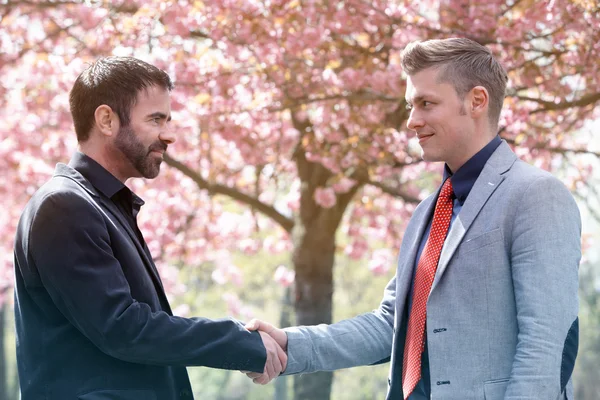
{"x":275,"y":342}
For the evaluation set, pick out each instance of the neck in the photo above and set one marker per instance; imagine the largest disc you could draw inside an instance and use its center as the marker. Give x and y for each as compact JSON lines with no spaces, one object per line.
{"x":480,"y":141}
{"x":102,"y":155}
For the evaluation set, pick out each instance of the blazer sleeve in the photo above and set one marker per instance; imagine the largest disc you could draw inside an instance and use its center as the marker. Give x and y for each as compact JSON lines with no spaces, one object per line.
{"x":362,"y":340}
{"x":545,"y":255}
{"x":69,"y":245}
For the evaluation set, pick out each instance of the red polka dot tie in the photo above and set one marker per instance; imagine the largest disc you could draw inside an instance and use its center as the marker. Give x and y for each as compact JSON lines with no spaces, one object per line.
{"x":415,"y":340}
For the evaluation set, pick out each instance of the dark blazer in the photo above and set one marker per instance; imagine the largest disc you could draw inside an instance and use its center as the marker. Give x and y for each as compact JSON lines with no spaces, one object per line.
{"x":92,"y":319}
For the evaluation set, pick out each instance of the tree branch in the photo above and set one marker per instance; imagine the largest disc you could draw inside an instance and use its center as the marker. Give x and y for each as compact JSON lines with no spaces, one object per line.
{"x":559,"y":150}
{"x":552,"y":106}
{"x":286,"y":223}
{"x":394,"y":191}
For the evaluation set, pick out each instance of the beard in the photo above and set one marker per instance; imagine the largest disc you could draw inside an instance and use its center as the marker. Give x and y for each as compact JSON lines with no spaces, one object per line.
{"x":139,"y":155}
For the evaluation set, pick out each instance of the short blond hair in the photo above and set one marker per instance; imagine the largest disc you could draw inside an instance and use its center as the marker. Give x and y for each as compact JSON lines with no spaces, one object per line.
{"x":464,"y":64}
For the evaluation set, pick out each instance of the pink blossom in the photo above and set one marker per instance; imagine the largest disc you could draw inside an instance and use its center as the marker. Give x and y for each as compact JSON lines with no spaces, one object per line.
{"x":312,"y":157}
{"x":236,"y":307}
{"x":226,"y":271}
{"x":331,"y":164}
{"x":325,"y":197}
{"x":381,"y":262}
{"x":353,"y":79}
{"x":357,"y":249}
{"x":249,"y":246}
{"x":234,"y":304}
{"x":344,"y":185}
{"x":276,"y":245}
{"x":284,"y":276}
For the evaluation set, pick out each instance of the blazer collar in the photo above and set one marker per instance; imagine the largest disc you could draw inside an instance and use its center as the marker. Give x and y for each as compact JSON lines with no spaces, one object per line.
{"x":71,"y":173}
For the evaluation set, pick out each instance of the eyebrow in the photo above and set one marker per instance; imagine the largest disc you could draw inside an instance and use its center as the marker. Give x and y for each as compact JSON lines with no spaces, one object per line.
{"x":159,"y":114}
{"x":422,"y":97}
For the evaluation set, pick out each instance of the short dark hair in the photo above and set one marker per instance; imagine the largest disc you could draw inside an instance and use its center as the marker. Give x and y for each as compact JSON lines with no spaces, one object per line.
{"x":464,"y":64}
{"x":116,"y":82}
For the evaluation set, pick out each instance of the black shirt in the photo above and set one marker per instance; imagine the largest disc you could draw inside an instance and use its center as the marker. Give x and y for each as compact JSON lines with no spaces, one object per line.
{"x":128,"y":202}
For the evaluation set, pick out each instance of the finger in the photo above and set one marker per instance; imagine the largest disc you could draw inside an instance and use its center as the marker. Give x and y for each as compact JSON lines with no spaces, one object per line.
{"x":253,"y":375}
{"x":282,"y":356}
{"x":252,"y":325}
{"x":259,"y":379}
{"x":269,"y":367}
{"x":273,"y":365}
{"x":262,"y":380}
{"x":272,"y":355}
{"x":258,"y":325}
{"x":277,"y":363}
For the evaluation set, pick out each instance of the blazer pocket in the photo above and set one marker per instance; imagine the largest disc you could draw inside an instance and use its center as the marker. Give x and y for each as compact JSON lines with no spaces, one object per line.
{"x":118,"y":395}
{"x":485,"y":239}
{"x":495,"y":390}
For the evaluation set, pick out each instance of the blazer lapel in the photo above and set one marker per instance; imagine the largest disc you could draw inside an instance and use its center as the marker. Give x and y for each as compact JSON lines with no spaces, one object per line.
{"x":150,"y":266}
{"x":408,"y":252}
{"x":490,"y":178}
{"x":106,"y":204}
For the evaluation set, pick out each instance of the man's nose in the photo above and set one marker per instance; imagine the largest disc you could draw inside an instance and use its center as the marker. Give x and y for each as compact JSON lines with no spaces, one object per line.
{"x":414,"y":121}
{"x":167,"y":135}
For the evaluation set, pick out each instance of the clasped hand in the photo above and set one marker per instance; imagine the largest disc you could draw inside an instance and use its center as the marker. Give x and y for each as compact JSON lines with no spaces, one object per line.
{"x":275,"y":342}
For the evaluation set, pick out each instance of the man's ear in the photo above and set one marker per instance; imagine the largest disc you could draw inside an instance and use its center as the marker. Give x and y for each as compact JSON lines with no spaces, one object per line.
{"x":106,"y":120}
{"x":479,"y":99}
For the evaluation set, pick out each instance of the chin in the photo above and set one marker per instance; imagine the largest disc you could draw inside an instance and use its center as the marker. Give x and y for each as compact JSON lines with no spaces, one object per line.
{"x":151,"y":174}
{"x":151,"y":170}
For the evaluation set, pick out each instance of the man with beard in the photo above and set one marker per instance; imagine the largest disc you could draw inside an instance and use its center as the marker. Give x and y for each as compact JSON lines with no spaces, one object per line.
{"x":92,"y":318}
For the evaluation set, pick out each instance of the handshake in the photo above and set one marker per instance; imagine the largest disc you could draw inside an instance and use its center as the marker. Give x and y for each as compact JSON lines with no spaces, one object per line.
{"x":275,"y":342}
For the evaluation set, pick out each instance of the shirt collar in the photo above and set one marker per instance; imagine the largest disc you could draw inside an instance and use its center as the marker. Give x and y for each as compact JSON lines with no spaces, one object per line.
{"x":100,"y":178}
{"x":464,"y":179}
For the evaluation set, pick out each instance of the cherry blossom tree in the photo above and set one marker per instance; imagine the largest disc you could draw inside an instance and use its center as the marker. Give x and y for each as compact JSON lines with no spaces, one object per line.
{"x":294,"y":110}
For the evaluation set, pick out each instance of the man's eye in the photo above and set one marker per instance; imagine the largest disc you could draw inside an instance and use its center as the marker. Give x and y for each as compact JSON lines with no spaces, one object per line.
{"x":426,"y":103}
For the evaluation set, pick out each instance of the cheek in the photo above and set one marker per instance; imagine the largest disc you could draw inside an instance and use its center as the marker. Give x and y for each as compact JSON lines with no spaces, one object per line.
{"x":145,"y":134}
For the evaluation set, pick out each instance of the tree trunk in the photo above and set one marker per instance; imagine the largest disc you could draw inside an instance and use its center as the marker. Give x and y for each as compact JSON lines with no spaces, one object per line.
{"x":3,"y":363}
{"x":313,"y":261}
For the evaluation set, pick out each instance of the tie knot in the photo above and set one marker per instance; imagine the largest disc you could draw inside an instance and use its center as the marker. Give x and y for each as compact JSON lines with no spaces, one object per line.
{"x":447,"y":191}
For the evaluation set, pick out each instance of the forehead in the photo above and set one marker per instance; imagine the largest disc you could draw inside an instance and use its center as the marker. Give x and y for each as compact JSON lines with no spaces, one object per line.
{"x":153,"y":99}
{"x":425,"y":84}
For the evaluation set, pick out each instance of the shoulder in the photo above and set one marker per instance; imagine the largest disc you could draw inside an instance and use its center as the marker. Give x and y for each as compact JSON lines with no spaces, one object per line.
{"x":61,"y":200}
{"x":539,"y":190}
{"x":60,"y":189}
{"x":530,"y":177}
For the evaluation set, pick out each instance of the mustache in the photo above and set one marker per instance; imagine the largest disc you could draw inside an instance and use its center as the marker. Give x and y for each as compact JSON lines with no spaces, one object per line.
{"x":158,"y":146}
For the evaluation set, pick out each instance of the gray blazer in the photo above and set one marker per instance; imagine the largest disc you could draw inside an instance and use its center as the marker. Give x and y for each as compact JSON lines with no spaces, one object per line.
{"x":502,"y":311}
